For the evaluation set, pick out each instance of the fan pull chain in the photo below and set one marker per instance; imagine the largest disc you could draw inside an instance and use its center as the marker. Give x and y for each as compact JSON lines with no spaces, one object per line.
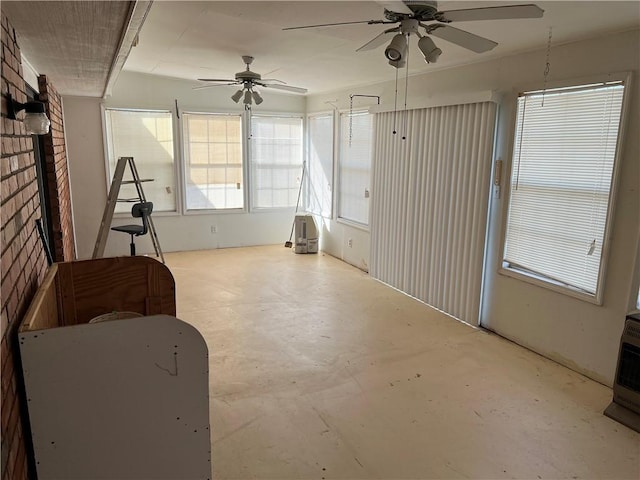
{"x":547,"y":66}
{"x":395,"y":105}
{"x":406,"y":91}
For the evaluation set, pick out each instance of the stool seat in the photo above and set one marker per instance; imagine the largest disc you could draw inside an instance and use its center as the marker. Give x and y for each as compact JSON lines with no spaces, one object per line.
{"x":136,"y":230}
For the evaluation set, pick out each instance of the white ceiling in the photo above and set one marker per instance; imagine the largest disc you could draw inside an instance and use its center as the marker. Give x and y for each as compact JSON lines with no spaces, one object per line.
{"x":206,"y":39}
{"x":81,"y":44}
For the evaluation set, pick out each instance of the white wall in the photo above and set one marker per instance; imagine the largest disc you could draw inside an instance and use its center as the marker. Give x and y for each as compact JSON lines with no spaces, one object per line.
{"x":83,"y":124}
{"x":580,"y":335}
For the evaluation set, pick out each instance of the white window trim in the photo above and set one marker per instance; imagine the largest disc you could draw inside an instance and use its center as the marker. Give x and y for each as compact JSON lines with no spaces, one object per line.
{"x":177,"y":137}
{"x":538,"y":280}
{"x":183,"y":165}
{"x":251,"y":208}
{"x":332,"y":114}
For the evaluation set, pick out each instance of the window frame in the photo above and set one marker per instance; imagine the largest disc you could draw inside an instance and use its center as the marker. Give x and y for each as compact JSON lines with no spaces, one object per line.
{"x":249,"y":158}
{"x":177,"y":159}
{"x":540,"y":280}
{"x":183,"y":160}
{"x":334,"y":161}
{"x":337,"y":168}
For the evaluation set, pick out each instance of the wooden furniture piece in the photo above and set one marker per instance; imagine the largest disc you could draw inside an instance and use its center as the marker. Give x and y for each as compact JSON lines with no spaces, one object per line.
{"x":126,"y":398}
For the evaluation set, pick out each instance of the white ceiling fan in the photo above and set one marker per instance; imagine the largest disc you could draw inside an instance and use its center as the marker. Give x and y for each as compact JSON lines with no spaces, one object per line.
{"x":249,"y":80}
{"x":412,"y":15}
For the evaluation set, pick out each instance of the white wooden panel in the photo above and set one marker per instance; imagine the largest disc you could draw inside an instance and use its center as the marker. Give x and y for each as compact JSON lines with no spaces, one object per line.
{"x":122,"y":399}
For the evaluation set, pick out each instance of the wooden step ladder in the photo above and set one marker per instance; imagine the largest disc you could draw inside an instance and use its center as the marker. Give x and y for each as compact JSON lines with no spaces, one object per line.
{"x":112,"y":199}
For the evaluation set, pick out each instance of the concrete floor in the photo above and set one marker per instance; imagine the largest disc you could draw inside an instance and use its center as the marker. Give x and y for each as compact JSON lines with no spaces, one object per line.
{"x":320,"y":372}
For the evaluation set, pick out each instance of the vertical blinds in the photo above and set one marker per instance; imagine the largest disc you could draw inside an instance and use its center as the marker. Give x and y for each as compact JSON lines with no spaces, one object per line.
{"x":562,"y":168}
{"x":320,"y":192}
{"x":354,"y":169}
{"x":147,"y":136}
{"x":276,"y":160}
{"x":429,"y":212}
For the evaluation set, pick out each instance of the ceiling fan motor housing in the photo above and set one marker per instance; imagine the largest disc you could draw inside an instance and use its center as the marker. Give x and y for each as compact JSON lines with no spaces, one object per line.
{"x":422,"y":11}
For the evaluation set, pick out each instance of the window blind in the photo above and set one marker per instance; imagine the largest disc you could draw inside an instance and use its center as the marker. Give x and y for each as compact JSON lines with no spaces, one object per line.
{"x":320,"y":193}
{"x":429,"y":213}
{"x":276,"y":160}
{"x":213,"y":161}
{"x":562,"y":167}
{"x":147,"y":136}
{"x":354,"y":166}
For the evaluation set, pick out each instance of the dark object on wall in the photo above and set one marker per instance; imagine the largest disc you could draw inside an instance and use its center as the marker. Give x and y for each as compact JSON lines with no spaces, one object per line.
{"x":45,"y":244}
{"x":35,"y":119}
{"x":625,"y":407}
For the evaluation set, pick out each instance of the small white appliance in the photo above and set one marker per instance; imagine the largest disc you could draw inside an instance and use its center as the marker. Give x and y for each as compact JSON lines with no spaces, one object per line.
{"x":306,"y":234}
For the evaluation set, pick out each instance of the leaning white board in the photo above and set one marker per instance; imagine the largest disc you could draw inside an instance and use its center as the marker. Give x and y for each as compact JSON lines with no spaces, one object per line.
{"x":121,"y":399}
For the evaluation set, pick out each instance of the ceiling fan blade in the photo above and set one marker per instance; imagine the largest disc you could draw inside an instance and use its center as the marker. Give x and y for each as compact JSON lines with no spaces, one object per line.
{"x":275,"y":80}
{"x":370,"y":22}
{"x":464,"y":39}
{"x":491,"y":13}
{"x":377,"y":41}
{"x":202,"y":87}
{"x":396,"y":6}
{"x":216,"y":80}
{"x":285,"y":88}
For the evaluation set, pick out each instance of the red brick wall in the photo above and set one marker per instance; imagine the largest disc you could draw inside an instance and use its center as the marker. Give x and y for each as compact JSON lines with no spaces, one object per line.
{"x":23,"y":262}
{"x":57,"y":174}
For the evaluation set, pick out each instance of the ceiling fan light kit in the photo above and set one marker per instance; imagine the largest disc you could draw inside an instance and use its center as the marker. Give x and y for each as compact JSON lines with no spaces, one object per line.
{"x":397,"y":48}
{"x":411,"y":15}
{"x":429,"y":50}
{"x":237,"y":96}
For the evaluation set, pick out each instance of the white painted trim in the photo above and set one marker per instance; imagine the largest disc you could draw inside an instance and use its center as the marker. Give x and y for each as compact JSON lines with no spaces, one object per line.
{"x":598,"y":297}
{"x":29,"y":73}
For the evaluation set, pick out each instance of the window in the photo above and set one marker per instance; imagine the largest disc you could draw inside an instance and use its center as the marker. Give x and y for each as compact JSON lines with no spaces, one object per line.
{"x":276,"y":161}
{"x":147,"y":136}
{"x":213,"y":161}
{"x":354,"y":166}
{"x":320,"y":192}
{"x":562,"y":171}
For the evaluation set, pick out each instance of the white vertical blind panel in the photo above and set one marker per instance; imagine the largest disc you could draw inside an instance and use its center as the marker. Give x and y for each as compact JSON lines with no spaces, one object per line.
{"x":276,"y":160}
{"x":355,"y":166}
{"x":561,"y":179}
{"x":430,"y":209}
{"x":320,"y":171}
{"x":147,"y":136}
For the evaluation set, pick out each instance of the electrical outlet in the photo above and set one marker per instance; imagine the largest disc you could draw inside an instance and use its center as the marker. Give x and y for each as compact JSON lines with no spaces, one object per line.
{"x":214,"y":229}
{"x":350,"y":243}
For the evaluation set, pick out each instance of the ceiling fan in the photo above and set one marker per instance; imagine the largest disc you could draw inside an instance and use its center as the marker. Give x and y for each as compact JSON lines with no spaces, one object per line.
{"x":411,"y":16}
{"x":249,"y":81}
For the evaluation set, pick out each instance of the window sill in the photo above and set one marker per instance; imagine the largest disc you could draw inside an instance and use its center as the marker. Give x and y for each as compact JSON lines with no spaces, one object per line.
{"x":351,"y":223}
{"x":124,"y":215}
{"x":212,"y":211}
{"x":549,"y":284}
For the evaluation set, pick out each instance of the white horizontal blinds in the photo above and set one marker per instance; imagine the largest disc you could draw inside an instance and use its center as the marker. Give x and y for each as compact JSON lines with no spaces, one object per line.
{"x":562,"y":168}
{"x":429,"y":213}
{"x":276,"y":160}
{"x":147,"y":136}
{"x":354,"y":169}
{"x":213,"y":161}
{"x":320,"y":137}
